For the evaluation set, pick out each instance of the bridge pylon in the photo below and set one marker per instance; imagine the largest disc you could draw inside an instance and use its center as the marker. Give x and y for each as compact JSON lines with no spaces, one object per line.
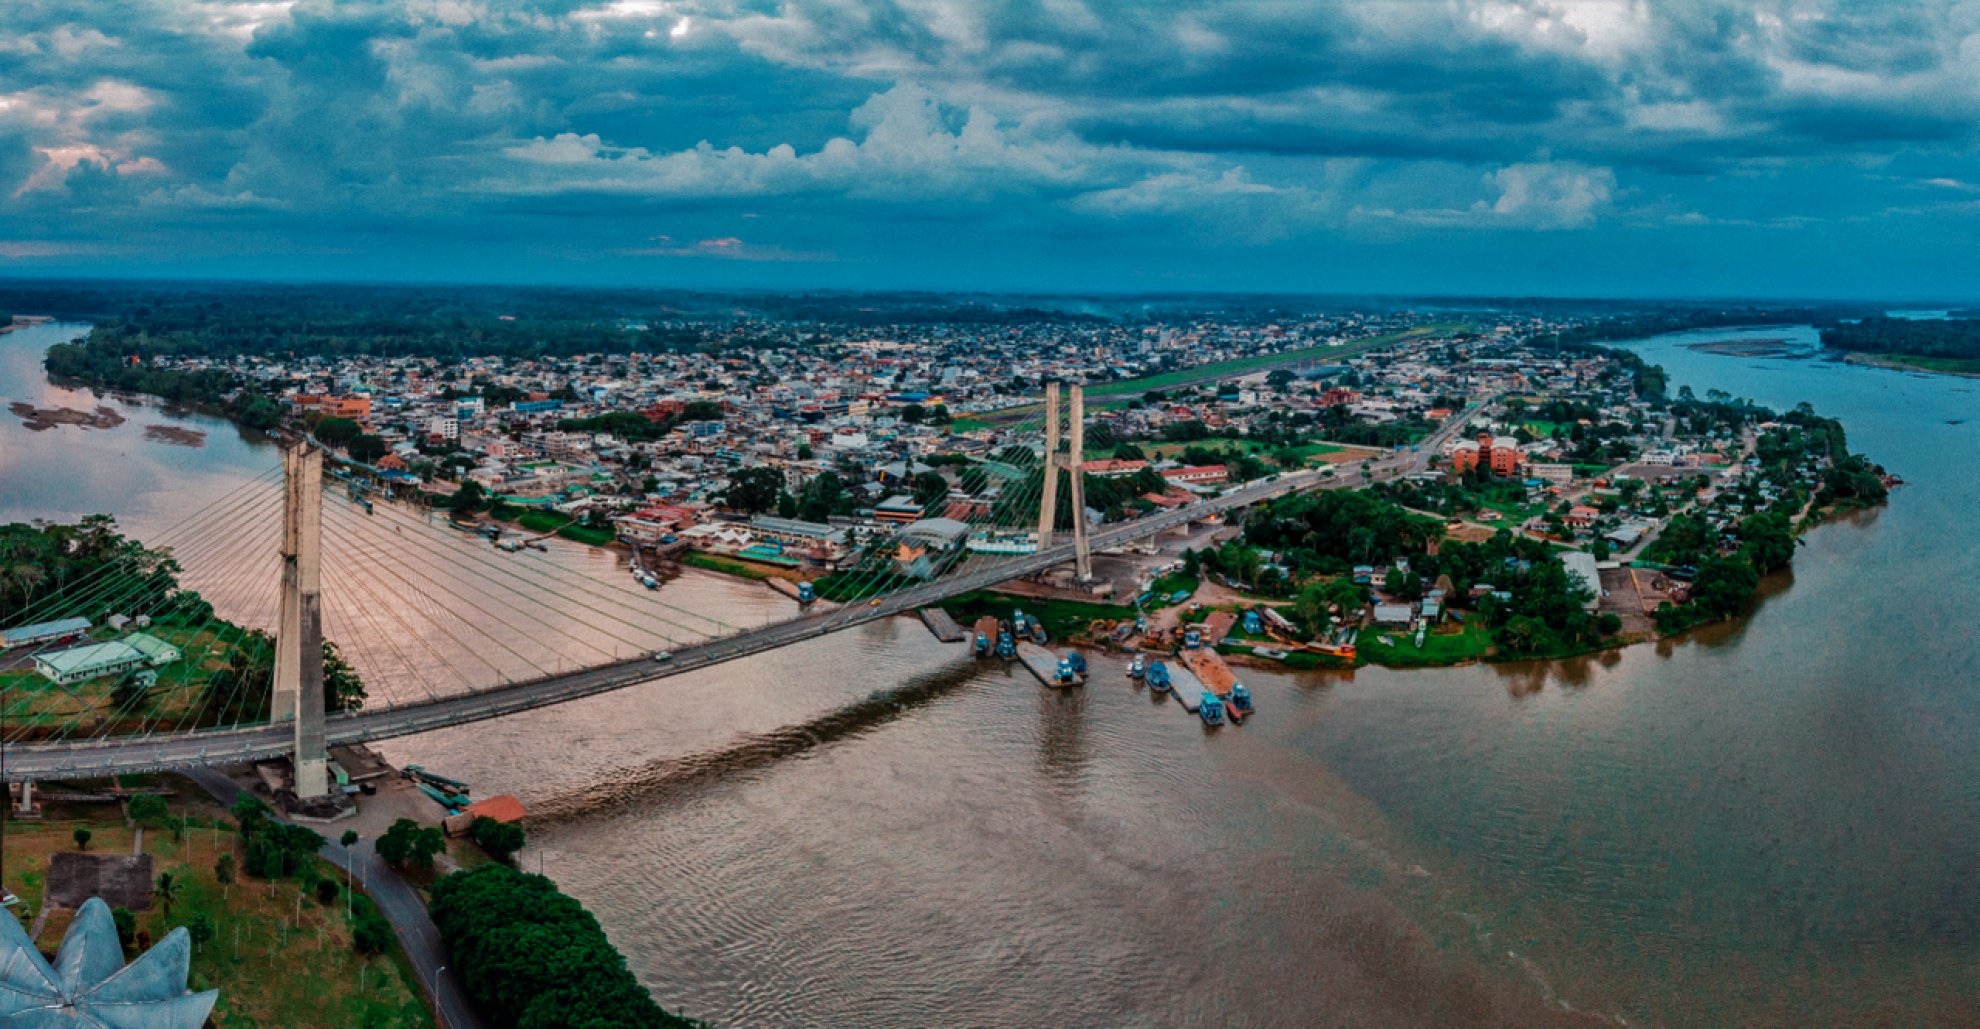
{"x":1069,"y":460}
{"x":298,"y":686}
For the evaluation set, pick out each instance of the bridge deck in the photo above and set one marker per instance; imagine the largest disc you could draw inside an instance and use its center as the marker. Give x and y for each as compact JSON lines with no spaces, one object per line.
{"x":93,"y":758}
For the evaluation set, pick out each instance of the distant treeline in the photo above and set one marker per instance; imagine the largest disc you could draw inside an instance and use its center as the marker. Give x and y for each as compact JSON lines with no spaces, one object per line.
{"x":1640,"y":324}
{"x":449,"y":322}
{"x":1956,"y":338}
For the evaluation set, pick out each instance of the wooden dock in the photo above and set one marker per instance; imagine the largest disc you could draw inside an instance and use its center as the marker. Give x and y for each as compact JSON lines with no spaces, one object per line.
{"x":939,"y":623}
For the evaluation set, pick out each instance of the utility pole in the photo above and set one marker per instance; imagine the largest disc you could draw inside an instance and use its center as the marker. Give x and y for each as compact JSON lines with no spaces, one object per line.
{"x":298,"y":689}
{"x":1069,"y":460}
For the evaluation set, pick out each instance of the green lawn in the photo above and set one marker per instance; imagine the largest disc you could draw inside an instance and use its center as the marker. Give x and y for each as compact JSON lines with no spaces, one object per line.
{"x":1472,"y":642}
{"x":1174,"y":582}
{"x":566,"y":526}
{"x":725,"y":565}
{"x":1230,"y":446}
{"x":1062,"y":618}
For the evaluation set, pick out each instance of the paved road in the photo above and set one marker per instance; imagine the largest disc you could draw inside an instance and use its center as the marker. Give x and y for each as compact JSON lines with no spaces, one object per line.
{"x":400,"y":903}
{"x":93,"y":758}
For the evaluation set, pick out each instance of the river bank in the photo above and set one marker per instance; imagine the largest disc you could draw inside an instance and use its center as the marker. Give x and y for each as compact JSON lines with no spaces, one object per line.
{"x":1927,"y":365}
{"x":1756,"y":822}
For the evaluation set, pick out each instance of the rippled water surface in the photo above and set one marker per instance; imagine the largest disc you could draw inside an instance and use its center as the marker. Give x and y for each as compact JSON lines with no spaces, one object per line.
{"x":1769,"y":823}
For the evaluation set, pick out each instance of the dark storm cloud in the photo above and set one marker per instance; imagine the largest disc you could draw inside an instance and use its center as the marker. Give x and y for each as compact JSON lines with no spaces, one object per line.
{"x":878,"y":132}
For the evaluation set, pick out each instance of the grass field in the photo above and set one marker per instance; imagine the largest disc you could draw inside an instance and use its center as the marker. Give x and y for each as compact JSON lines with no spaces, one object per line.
{"x":1062,"y":618}
{"x":1102,"y":395}
{"x":1471,"y":642}
{"x":179,"y":696}
{"x":1230,"y":446}
{"x":565,"y":526}
{"x":278,"y":958}
{"x":726,"y":565}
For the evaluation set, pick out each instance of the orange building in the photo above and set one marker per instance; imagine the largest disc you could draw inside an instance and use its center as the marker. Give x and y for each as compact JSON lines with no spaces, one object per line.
{"x":356,"y":408}
{"x":1500,"y":454}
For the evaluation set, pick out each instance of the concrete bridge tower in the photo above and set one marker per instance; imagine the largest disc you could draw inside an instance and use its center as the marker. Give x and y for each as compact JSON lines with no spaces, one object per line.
{"x":1070,"y":460}
{"x":298,"y":687}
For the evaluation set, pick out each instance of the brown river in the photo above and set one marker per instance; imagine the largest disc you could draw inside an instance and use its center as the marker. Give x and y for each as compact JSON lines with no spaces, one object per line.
{"x":1775,"y":822}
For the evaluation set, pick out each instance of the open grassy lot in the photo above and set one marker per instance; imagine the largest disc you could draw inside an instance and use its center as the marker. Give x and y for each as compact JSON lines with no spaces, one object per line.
{"x":1062,"y":618}
{"x":731,"y":566}
{"x":43,"y":707}
{"x":278,"y":958}
{"x":566,"y":526}
{"x":1470,"y":642}
{"x":1230,"y":446}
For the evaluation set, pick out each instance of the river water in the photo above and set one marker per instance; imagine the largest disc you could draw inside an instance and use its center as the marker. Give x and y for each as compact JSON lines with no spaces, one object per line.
{"x":1771,"y":823}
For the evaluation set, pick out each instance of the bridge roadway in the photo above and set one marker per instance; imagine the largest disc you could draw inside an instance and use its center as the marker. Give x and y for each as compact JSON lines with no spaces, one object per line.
{"x":90,"y":758}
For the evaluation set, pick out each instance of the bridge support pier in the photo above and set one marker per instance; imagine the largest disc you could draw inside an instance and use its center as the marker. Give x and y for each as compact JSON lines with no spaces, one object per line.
{"x":1069,"y":460}
{"x":298,"y":687}
{"x":1048,"y":502}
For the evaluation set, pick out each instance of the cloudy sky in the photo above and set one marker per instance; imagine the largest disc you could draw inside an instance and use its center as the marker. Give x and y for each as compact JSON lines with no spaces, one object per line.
{"x":1607,"y":147}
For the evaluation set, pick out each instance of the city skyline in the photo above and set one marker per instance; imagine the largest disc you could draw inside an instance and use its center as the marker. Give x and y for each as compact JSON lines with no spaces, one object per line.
{"x":1542,"y":148}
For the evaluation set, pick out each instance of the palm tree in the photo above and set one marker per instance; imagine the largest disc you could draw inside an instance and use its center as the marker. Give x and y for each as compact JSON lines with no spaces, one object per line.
{"x":166,"y":891}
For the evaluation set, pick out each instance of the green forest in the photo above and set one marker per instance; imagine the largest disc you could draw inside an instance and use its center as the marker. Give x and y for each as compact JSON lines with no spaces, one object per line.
{"x":534,"y":958}
{"x":1952,"y":339}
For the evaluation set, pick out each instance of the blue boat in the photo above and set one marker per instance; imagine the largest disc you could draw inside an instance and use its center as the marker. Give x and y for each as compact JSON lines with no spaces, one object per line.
{"x":1211,"y":709}
{"x":1240,"y":699}
{"x":1192,"y":638}
{"x":1067,"y":675}
{"x":806,"y":593}
{"x":1077,"y":660}
{"x":1137,"y":667}
{"x":1158,"y":677}
{"x":982,"y":644}
{"x":1006,"y":647}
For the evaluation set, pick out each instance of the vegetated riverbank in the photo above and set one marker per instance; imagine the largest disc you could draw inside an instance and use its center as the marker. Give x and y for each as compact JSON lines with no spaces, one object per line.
{"x":1964,"y":367}
{"x":100,"y":365}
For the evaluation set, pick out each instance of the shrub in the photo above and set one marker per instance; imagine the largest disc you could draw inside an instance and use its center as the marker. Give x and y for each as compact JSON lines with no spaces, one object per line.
{"x":500,"y":839}
{"x":370,"y":932}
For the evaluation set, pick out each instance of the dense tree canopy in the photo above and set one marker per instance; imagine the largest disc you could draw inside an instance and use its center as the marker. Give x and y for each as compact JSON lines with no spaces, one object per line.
{"x":533,"y":958}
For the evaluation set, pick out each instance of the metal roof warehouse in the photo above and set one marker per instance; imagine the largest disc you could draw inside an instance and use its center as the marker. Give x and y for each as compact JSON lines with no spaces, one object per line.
{"x":77,"y":664}
{"x":41,"y":632}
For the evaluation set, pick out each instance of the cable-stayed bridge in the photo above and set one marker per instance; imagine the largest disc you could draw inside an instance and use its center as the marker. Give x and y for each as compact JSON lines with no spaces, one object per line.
{"x":447,"y":630}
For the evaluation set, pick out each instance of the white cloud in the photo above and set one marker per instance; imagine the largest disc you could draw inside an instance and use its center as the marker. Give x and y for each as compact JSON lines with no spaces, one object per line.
{"x":911,"y":147}
{"x":1539,"y":196}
